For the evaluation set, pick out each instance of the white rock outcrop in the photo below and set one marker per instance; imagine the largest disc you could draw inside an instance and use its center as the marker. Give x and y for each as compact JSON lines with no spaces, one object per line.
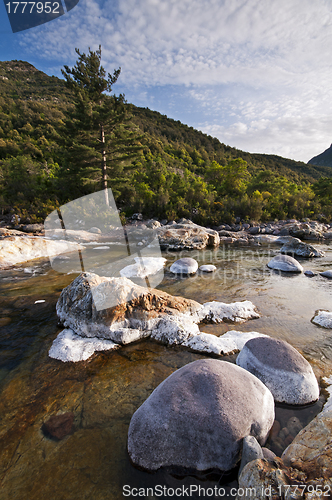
{"x":117,"y":309}
{"x":18,"y":249}
{"x":322,"y":318}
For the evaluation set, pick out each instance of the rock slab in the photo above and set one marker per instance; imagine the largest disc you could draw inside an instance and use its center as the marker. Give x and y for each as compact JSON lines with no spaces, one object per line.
{"x":197,"y":418}
{"x":281,"y":368}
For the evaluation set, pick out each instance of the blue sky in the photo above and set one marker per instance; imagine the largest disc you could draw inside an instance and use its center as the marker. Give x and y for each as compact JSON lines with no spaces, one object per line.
{"x":254,"y":73}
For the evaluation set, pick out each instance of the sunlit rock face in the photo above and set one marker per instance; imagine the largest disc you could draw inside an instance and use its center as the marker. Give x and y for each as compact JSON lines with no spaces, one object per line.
{"x":96,"y":306}
{"x":281,"y":368}
{"x":197,"y":418}
{"x":17,"y":249}
{"x":187,"y":236}
{"x":117,"y":309}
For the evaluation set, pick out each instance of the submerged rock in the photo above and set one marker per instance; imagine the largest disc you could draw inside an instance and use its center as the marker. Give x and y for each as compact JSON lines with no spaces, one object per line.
{"x":145,"y":266}
{"x":59,"y":426}
{"x":281,"y":368}
{"x":285,"y":263}
{"x":322,"y":318}
{"x":186,"y":265}
{"x":197,"y":418}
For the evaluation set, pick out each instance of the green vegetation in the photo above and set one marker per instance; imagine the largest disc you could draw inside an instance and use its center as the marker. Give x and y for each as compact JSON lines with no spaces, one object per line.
{"x":156,"y":165}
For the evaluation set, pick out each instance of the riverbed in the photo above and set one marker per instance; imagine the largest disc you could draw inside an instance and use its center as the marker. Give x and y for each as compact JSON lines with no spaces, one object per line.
{"x":104,"y":391}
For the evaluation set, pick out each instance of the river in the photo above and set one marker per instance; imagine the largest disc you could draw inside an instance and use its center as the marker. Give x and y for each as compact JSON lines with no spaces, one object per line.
{"x":104,"y":391}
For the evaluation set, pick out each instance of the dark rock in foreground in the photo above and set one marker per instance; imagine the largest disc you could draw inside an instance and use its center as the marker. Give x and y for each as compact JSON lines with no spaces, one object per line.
{"x":59,"y":426}
{"x":197,"y":418}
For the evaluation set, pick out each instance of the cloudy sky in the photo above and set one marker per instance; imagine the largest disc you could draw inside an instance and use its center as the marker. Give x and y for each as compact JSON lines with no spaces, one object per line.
{"x":256,"y":74}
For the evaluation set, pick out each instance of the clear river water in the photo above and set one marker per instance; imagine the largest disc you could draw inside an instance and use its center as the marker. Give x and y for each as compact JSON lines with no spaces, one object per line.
{"x":104,"y":391}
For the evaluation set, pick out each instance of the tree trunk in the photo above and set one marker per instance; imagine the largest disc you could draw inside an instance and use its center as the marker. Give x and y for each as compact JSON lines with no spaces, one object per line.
{"x":103,"y":164}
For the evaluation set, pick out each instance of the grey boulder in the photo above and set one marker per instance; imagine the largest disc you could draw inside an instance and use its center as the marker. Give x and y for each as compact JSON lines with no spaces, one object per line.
{"x":251,"y":450}
{"x":285,"y":263}
{"x":300,"y":249}
{"x":327,"y":274}
{"x":281,"y":368}
{"x":197,"y":418}
{"x":186,"y":265}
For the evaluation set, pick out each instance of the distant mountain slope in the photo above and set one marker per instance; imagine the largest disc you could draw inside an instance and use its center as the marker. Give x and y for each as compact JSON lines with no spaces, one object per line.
{"x":179,"y":172}
{"x":29,"y":96}
{"x":324,"y":159}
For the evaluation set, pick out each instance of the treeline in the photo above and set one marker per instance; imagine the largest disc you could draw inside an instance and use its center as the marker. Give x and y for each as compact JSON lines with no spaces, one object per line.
{"x":177,"y":172}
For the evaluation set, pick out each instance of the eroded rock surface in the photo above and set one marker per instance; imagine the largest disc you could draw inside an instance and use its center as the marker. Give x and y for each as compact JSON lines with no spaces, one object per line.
{"x":198,"y":417}
{"x":17,"y":249}
{"x":117,"y":309}
{"x":187,"y":236}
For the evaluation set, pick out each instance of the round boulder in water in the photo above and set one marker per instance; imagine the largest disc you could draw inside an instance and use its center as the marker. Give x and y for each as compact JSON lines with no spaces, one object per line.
{"x":196,"y":419}
{"x":207,"y":268}
{"x":327,"y":274}
{"x":186,"y":265}
{"x":285,"y":263}
{"x":281,"y":368}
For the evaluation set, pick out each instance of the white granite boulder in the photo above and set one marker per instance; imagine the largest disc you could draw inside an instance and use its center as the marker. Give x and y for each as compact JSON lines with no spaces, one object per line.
{"x":197,"y":418}
{"x":187,"y":265}
{"x":117,"y":309}
{"x":281,"y":368}
{"x":145,"y":266}
{"x":285,"y":263}
{"x":71,"y":347}
{"x":322,"y":318}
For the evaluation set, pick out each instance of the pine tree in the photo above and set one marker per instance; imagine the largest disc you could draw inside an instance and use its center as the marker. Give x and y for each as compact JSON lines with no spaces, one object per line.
{"x":100,"y":139}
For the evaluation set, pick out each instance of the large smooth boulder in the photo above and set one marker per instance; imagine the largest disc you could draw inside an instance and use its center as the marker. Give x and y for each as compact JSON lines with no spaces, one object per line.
{"x":285,"y":263}
{"x":187,"y":236}
{"x":197,"y":418}
{"x":281,"y":368}
{"x":187,"y":265}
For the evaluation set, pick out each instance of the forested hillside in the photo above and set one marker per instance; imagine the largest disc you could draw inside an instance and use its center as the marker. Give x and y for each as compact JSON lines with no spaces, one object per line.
{"x":176,"y":172}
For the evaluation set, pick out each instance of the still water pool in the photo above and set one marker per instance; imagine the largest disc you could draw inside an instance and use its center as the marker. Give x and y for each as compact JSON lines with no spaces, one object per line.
{"x":104,"y":392}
